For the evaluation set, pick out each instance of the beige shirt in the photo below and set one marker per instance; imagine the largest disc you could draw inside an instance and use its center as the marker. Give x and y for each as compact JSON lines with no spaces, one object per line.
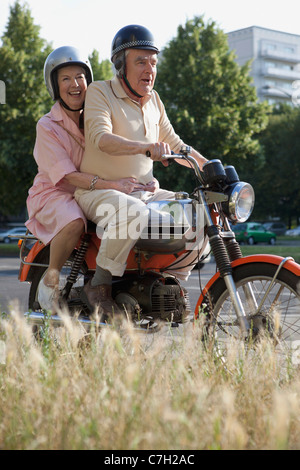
{"x":109,"y":109}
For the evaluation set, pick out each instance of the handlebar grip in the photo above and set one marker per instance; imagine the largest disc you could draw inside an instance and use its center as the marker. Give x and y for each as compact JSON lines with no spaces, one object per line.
{"x":148,"y":153}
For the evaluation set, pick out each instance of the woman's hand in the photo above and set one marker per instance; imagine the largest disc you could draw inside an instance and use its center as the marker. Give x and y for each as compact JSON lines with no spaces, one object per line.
{"x":129,"y":185}
{"x":152,"y":186}
{"x":126,"y":185}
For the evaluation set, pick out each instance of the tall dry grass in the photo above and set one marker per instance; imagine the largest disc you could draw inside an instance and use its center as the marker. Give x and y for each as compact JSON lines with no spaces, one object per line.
{"x":122,"y":390}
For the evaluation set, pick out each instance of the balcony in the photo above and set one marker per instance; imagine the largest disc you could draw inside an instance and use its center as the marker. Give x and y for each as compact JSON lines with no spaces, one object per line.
{"x":278,"y":72}
{"x":275,"y":92}
{"x":280,"y":55}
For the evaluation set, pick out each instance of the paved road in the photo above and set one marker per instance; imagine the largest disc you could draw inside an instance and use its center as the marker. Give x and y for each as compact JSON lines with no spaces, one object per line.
{"x":12,"y":292}
{"x":15,"y":294}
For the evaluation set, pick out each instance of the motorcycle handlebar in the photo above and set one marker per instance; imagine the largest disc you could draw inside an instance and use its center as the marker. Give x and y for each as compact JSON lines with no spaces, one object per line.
{"x":177,"y":156}
{"x":165,"y":157}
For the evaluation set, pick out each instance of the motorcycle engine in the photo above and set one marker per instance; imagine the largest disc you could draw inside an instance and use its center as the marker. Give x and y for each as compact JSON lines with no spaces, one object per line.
{"x":153,"y":296}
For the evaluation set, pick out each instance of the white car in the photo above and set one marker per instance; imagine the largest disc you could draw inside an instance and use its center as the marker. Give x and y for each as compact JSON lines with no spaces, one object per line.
{"x":14,"y":232}
{"x":293,"y":232}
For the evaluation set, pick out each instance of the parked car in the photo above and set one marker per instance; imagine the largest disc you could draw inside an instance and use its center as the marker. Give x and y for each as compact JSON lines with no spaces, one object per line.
{"x":277,"y":227}
{"x":293,"y":232}
{"x":253,"y":232}
{"x":15,"y":232}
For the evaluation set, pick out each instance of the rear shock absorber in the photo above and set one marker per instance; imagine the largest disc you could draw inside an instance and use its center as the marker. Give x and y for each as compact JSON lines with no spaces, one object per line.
{"x":77,"y":263}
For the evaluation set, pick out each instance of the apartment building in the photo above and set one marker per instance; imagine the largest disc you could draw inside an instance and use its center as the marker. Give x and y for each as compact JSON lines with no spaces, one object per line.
{"x":275,"y":57}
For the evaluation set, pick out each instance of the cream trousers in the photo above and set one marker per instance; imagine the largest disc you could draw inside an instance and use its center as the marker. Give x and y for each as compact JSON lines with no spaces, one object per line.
{"x":120,"y":219}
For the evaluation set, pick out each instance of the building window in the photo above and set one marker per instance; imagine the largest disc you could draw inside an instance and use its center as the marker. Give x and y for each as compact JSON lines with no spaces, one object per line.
{"x":271,"y":47}
{"x":270,"y":82}
{"x":289,"y":50}
{"x":279,"y":65}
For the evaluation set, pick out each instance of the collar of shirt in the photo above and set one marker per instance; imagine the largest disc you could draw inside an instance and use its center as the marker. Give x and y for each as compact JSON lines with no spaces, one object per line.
{"x":121,"y":93}
{"x":57,"y":114}
{"x":117,"y":88}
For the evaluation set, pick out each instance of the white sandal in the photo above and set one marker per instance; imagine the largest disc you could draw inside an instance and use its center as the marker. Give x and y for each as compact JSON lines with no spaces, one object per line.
{"x":47,"y":296}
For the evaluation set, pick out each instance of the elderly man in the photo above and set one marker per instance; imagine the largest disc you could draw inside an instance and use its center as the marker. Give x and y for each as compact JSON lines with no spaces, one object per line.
{"x":125,"y":121}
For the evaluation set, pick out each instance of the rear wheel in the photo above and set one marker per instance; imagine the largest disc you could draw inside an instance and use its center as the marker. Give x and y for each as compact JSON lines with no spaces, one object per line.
{"x":278,"y":317}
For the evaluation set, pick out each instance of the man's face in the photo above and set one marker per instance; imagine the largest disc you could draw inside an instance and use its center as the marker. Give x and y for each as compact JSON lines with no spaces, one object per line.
{"x":141,"y":70}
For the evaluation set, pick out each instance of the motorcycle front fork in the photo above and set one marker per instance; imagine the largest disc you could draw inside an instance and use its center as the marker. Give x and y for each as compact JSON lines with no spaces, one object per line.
{"x":225,"y":250}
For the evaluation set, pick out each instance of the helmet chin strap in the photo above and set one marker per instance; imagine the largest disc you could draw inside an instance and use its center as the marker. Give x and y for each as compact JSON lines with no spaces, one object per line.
{"x":130,"y":87}
{"x":68,"y":107}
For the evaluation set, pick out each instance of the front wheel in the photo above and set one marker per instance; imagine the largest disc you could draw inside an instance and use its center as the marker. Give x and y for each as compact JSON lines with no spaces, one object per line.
{"x":278,"y":316}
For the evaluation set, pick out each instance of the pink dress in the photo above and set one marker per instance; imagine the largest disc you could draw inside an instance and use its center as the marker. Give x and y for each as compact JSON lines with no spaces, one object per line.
{"x":50,"y":203}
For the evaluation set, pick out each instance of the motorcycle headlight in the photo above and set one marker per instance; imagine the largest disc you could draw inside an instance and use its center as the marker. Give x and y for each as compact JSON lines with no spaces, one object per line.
{"x":240,"y":202}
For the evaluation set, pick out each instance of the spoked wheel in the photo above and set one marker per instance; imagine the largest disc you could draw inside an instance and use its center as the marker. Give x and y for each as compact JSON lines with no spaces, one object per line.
{"x":278,"y":317}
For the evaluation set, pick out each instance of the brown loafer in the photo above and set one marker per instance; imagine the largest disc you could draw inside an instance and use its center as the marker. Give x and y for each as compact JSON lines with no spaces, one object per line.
{"x":100,"y":297}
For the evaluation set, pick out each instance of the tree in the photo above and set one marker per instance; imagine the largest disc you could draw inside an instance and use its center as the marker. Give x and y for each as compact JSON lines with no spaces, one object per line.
{"x":22,"y":57}
{"x":209,"y":99}
{"x":278,"y":181}
{"x":101,"y":70}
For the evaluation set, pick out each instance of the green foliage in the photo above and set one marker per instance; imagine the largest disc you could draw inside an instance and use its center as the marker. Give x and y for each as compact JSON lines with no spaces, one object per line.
{"x":209,"y":97}
{"x":278,"y":181}
{"x":22,"y":57}
{"x":101,"y":70}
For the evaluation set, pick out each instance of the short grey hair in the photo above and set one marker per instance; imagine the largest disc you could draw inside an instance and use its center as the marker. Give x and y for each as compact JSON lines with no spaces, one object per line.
{"x":119,"y":62}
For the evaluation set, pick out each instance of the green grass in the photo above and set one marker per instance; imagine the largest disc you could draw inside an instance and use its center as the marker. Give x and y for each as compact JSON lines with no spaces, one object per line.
{"x":279,"y":250}
{"x":10,"y":249}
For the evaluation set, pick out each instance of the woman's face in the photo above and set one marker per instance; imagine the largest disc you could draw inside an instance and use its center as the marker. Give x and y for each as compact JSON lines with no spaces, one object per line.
{"x":72,"y":85}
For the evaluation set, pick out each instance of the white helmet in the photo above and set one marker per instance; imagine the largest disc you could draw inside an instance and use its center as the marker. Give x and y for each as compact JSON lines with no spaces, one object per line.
{"x":60,"y":57}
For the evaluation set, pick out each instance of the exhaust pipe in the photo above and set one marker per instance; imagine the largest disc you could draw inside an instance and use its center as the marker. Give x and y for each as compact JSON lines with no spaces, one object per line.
{"x":38,"y":319}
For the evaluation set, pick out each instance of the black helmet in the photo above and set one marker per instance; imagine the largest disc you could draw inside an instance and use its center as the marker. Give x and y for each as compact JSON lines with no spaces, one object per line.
{"x":133,"y":37}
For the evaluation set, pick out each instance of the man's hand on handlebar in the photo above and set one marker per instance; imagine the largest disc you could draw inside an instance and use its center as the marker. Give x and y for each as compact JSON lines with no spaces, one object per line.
{"x":157,"y":151}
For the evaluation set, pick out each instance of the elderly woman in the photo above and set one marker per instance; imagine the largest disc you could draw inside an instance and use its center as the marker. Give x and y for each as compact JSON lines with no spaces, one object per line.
{"x":54,"y":216}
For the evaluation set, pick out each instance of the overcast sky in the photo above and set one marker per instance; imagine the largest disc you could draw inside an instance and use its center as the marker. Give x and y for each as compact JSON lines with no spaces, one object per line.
{"x":92,"y":24}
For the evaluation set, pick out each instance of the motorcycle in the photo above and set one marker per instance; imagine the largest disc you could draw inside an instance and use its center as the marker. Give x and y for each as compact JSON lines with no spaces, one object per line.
{"x":246,"y":296}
